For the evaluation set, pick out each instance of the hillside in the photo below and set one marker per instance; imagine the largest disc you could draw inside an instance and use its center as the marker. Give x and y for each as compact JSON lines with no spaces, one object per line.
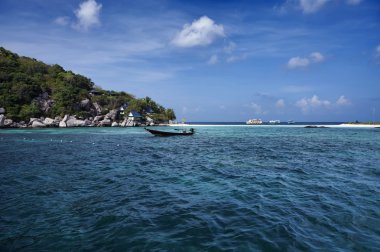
{"x":32,"y":89}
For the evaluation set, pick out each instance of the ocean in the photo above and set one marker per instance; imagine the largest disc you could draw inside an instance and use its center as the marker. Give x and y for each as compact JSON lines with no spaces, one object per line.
{"x":271,"y":188}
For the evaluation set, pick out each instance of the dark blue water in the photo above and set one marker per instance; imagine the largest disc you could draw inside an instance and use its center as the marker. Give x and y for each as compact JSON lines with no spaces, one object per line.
{"x":224,"y":189}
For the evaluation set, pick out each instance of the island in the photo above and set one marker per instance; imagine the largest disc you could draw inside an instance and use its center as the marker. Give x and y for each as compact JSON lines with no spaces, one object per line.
{"x":361,"y":124}
{"x":35,"y":94}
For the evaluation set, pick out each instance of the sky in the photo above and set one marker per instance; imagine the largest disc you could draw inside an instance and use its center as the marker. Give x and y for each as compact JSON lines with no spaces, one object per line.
{"x":214,"y":61}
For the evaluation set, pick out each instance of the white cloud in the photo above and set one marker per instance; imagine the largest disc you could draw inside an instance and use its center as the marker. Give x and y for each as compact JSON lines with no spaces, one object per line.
{"x":88,"y":14}
{"x":63,"y":21}
{"x":280,"y":103}
{"x":298,"y":62}
{"x":201,"y":32}
{"x":308,"y":6}
{"x":311,"y":6}
{"x":317,"y":57}
{"x":306,"y":104}
{"x":213,"y":60}
{"x":343,"y":101}
{"x":354,"y":2}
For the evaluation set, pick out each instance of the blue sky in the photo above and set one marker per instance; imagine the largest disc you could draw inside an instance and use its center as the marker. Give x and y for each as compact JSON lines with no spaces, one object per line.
{"x":305,"y":60}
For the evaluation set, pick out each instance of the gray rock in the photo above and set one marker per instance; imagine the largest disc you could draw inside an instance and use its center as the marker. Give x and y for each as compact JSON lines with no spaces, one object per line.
{"x":123,"y":123}
{"x":49,"y":121}
{"x":128,"y":123}
{"x":44,"y":102}
{"x":111,"y":115}
{"x":105,"y":122}
{"x":62,"y":123}
{"x":8,"y":122}
{"x":98,"y":108}
{"x":149,"y":121}
{"x":85,"y":104}
{"x":73,"y":122}
{"x":2,"y":120}
{"x":21,"y":124}
{"x":38,"y":124}
{"x":31,"y":120}
{"x":98,"y":118}
{"x":114,"y":124}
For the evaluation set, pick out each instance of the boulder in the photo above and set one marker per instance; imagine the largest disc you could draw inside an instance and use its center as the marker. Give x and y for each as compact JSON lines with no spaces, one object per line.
{"x":105,"y":122}
{"x":31,"y":120}
{"x":98,"y":108}
{"x":85,"y":104}
{"x":38,"y":124}
{"x":49,"y":121}
{"x":149,"y":121}
{"x":98,"y":118}
{"x":128,"y":123}
{"x":73,"y":122}
{"x":8,"y":122}
{"x":114,"y":124}
{"x":44,"y":102}
{"x":2,"y":120}
{"x":62,"y":123}
{"x":111,"y":115}
{"x":21,"y":124}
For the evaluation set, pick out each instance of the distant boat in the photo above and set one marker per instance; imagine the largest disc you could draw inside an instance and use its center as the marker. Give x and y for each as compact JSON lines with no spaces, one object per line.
{"x":171,"y":133}
{"x":254,"y":121}
{"x":290,"y":122}
{"x":274,"y":122}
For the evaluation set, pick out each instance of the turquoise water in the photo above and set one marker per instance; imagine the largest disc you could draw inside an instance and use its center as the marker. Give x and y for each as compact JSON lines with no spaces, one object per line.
{"x":224,"y":189}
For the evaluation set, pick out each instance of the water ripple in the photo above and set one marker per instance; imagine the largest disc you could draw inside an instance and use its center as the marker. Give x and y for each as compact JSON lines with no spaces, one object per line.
{"x":224,"y":189}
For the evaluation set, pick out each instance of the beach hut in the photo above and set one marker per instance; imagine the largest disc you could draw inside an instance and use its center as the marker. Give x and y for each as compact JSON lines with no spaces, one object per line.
{"x":134,"y":116}
{"x":123,"y":108}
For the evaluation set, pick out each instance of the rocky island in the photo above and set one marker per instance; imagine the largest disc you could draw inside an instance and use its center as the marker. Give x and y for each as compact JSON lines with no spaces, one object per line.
{"x":35,"y":94}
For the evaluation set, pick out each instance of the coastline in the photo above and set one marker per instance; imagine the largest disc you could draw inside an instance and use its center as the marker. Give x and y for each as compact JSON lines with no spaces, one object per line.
{"x":343,"y":125}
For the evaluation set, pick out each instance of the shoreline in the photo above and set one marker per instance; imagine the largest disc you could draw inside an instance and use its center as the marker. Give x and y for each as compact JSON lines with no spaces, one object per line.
{"x":321,"y":125}
{"x":343,"y":125}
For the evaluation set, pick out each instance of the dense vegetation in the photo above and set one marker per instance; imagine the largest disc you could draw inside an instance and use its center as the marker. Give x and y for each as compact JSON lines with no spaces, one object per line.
{"x":27,"y":84}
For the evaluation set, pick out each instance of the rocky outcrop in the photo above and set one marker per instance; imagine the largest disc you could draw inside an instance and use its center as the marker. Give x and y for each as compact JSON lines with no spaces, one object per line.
{"x":50,"y":122}
{"x":105,"y":122}
{"x":129,"y":123}
{"x":38,"y":124}
{"x":74,"y":122}
{"x":111,"y":115}
{"x":98,"y":108}
{"x":149,"y":121}
{"x":62,"y":123}
{"x":85,"y":104}
{"x":8,"y":122}
{"x":108,"y":120}
{"x":2,"y":120}
{"x":44,"y":102}
{"x":97,"y":119}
